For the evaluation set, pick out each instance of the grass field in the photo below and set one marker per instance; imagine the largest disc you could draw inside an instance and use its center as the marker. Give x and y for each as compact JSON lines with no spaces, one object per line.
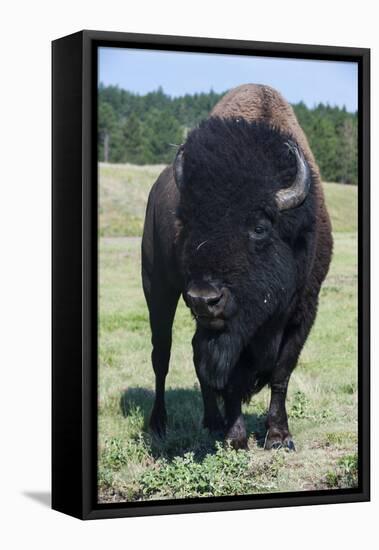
{"x":322,"y":400}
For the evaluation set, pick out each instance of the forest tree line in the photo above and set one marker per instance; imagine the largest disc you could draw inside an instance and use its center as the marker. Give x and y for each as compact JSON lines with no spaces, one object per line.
{"x":144,"y":129}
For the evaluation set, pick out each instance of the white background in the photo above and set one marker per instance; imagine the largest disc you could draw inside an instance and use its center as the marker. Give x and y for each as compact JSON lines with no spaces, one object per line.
{"x":27,"y":29}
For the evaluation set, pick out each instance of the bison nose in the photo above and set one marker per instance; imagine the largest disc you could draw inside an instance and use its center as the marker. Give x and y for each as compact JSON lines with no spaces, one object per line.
{"x":205,"y":299}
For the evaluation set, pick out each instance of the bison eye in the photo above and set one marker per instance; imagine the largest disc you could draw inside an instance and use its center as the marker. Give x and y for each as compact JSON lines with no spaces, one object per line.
{"x":260,"y":231}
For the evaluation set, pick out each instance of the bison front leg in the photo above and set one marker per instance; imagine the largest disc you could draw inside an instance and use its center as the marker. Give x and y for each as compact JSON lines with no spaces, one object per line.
{"x":212,"y":419}
{"x":162,"y":306}
{"x":278,"y":434}
{"x":235,"y":424}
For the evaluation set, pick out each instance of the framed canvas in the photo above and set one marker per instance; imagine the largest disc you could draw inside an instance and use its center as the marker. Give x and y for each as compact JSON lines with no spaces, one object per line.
{"x":210,"y":274}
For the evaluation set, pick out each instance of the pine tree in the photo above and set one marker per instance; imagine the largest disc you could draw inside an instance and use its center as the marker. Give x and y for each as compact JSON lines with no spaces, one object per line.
{"x":133,"y":140}
{"x":107,"y":122}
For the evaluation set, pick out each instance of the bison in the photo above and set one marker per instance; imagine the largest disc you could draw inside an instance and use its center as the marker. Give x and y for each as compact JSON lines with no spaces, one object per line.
{"x":238,"y":226}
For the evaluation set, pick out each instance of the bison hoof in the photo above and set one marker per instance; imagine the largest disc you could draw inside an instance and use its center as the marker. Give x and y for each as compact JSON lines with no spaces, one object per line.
{"x":158,"y":424}
{"x":237,"y":444}
{"x":236,"y":435}
{"x":277,"y":441}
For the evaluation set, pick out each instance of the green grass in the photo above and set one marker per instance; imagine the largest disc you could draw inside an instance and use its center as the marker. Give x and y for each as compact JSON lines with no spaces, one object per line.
{"x":342,"y":201}
{"x":322,"y":400}
{"x":124,"y":189}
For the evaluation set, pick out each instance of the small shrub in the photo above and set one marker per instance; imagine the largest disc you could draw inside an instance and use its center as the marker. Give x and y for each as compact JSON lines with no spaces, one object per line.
{"x":346,"y":474}
{"x":225,"y":472}
{"x":300,"y":405}
{"x":340,"y":438}
{"x":114,"y":454}
{"x":117,"y":454}
{"x":349,"y":388}
{"x":302,"y":409}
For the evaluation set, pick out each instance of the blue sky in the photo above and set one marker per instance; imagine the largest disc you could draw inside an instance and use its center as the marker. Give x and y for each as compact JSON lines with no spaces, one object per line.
{"x":142,"y":71}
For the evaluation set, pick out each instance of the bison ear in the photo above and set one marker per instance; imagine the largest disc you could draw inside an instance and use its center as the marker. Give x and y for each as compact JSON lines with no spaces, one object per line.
{"x":178,"y":167}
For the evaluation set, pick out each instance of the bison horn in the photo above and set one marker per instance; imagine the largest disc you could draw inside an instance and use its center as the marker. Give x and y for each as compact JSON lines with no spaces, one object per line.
{"x":293,"y":196}
{"x":178,"y":167}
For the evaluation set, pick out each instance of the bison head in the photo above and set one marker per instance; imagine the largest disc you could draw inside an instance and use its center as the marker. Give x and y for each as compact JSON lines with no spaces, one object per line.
{"x":246,"y":220}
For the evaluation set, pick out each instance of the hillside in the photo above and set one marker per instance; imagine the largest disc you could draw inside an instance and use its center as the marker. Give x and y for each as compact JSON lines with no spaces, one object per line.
{"x":124,"y":188}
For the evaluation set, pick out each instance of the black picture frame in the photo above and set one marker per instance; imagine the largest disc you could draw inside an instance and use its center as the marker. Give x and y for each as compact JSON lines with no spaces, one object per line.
{"x":74,"y":273}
